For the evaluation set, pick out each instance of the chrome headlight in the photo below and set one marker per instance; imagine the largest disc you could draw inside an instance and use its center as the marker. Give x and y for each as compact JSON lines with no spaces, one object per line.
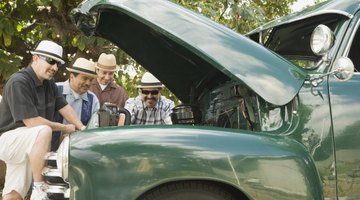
{"x":322,"y":39}
{"x":62,"y":158}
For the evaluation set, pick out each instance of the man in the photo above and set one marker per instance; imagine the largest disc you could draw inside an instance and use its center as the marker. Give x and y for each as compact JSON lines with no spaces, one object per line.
{"x":104,"y":87}
{"x":77,"y":94}
{"x":150,"y":107}
{"x":30,"y":99}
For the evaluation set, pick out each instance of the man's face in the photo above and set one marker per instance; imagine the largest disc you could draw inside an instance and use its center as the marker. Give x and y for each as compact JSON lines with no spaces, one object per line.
{"x":150,"y":96}
{"x":80,"y":83}
{"x":45,"y":67}
{"x":104,"y":77}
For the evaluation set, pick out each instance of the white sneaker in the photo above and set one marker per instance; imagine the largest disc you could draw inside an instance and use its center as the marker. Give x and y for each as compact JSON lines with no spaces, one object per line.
{"x":38,"y":192}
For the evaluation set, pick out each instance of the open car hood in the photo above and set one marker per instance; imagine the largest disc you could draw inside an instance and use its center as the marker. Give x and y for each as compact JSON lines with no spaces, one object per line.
{"x":186,"y":51}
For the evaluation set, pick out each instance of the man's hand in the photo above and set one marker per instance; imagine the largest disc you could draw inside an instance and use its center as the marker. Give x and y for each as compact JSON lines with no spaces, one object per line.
{"x":69,"y":128}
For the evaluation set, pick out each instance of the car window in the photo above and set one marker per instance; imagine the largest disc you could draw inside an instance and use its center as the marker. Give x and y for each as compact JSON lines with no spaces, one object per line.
{"x":292,"y":41}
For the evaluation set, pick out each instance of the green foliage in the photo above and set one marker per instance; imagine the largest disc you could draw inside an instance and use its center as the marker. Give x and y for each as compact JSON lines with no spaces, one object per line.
{"x":240,"y":15}
{"x":23,"y":23}
{"x":9,"y":63}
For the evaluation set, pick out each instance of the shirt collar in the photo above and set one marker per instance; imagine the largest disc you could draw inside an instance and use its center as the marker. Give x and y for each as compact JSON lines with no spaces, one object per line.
{"x":112,"y":84}
{"x":33,"y":76}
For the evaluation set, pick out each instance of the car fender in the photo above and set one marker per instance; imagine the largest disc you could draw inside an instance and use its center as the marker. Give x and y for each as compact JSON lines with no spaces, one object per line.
{"x":125,"y":162}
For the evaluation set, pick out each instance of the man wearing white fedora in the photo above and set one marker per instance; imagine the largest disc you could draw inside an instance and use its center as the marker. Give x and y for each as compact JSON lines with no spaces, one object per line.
{"x":77,"y":94}
{"x":30,"y":100}
{"x":150,"y":107}
{"x":103,"y":86}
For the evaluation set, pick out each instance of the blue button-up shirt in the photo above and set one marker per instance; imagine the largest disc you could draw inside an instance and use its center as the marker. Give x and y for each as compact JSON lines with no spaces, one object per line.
{"x":76,"y":100}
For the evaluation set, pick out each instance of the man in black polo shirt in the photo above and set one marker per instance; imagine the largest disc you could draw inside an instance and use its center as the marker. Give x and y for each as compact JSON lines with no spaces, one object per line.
{"x":30,"y":99}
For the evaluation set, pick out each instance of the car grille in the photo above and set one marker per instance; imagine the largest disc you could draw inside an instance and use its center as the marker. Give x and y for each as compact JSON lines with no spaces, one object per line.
{"x":57,"y":187}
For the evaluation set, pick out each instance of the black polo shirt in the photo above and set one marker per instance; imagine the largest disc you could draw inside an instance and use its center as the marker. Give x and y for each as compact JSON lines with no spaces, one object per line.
{"x":25,"y":96}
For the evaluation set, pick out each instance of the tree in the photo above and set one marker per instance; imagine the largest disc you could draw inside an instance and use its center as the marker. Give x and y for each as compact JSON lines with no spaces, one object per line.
{"x":24,"y":23}
{"x":240,"y":15}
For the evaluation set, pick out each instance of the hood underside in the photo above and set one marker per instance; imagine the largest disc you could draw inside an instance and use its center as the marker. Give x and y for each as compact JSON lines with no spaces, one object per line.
{"x":187,"y":52}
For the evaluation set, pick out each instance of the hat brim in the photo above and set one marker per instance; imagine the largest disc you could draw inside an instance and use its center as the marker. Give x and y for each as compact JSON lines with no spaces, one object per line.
{"x":149,"y":86}
{"x":117,"y":68}
{"x":81,"y":72}
{"x":48,"y":55}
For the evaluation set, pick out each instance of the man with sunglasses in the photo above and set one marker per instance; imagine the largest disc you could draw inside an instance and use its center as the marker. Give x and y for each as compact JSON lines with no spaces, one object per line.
{"x":150,"y":107}
{"x":30,"y":100}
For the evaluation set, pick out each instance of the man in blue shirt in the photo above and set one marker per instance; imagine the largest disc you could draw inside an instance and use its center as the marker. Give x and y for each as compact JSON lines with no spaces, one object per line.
{"x":150,"y":107}
{"x":77,"y":94}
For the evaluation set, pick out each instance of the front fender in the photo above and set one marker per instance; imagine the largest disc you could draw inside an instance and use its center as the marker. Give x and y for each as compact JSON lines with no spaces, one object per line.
{"x":125,"y":162}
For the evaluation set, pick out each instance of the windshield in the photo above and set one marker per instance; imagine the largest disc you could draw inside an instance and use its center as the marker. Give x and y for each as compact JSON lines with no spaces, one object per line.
{"x":292,"y":41}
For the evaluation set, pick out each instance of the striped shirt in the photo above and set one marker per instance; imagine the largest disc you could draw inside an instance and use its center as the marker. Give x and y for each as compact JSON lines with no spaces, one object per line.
{"x":159,"y":114}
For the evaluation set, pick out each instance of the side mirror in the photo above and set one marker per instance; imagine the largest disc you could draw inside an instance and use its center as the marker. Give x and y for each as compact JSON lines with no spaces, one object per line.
{"x":322,"y":40}
{"x":343,"y":69}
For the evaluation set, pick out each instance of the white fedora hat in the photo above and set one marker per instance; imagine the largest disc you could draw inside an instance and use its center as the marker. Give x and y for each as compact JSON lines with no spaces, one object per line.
{"x":83,"y":66}
{"x":107,"y":62}
{"x":149,"y":81}
{"x":49,"y":49}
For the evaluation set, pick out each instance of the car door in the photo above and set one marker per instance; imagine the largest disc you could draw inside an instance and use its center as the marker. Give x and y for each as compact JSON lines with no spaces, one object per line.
{"x":345,"y":108}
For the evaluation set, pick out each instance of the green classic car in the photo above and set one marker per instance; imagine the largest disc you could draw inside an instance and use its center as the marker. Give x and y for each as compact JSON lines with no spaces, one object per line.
{"x":272,"y":115}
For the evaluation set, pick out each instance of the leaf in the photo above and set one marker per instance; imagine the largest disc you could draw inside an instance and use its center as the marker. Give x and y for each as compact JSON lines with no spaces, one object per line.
{"x":81,"y":43}
{"x":57,"y":4}
{"x":74,"y":41}
{"x":7,"y":39}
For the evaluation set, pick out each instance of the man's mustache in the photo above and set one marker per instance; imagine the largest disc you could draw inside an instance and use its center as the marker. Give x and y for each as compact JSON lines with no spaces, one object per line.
{"x":147,"y":98}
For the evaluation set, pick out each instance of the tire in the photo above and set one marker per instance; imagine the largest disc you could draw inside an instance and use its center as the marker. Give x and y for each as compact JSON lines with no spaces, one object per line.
{"x":195,"y":190}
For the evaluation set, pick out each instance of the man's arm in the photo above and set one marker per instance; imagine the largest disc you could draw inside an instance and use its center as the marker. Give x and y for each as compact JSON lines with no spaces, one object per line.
{"x":37,"y":121}
{"x":70,"y":115}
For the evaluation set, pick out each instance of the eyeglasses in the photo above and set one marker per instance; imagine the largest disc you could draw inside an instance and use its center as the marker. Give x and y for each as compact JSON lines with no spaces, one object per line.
{"x":152,"y":92}
{"x":50,"y":60}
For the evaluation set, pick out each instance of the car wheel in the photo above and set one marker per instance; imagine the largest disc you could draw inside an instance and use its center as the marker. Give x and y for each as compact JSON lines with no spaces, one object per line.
{"x":196,"y":190}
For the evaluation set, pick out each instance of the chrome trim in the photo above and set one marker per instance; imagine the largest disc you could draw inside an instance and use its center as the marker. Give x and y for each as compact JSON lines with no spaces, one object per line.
{"x":351,"y":39}
{"x":50,"y":156}
{"x":57,"y":189}
{"x":67,"y":193}
{"x":53,"y":172}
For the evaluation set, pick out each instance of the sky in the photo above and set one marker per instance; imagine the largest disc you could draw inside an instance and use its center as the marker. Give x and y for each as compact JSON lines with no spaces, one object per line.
{"x":300,"y":4}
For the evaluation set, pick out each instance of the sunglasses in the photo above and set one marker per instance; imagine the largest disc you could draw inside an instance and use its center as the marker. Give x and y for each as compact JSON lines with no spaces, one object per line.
{"x":152,"y":92}
{"x":50,"y":60}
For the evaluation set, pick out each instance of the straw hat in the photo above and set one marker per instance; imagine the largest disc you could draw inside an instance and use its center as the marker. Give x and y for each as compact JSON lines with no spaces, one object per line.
{"x":83,"y":66}
{"x":107,"y":62}
{"x":149,"y":81}
{"x":49,"y":49}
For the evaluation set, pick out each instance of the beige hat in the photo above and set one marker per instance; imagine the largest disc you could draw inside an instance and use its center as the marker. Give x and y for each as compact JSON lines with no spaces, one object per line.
{"x":149,"y":81}
{"x":83,"y":66}
{"x":49,"y":49}
{"x":107,"y":62}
